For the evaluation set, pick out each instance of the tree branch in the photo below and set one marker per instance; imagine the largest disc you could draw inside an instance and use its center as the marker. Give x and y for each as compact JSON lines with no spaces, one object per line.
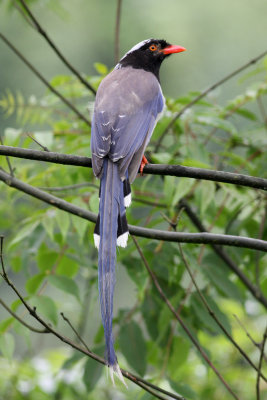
{"x":33,"y":312}
{"x":181,"y":322}
{"x":205,"y":92}
{"x":214,"y":317}
{"x":183,"y":237}
{"x":47,"y":84}
{"x":254,"y":290}
{"x":31,"y":328}
{"x":42,"y":32}
{"x":154,"y":169}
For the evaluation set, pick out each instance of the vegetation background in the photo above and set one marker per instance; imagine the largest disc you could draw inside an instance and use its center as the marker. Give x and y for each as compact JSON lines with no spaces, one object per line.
{"x":49,"y":254}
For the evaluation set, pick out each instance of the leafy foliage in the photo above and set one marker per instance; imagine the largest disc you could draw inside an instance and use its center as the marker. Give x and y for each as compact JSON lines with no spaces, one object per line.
{"x":52,"y":259}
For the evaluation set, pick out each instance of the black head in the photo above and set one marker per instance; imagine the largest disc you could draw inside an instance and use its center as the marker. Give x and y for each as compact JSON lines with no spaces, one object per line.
{"x":148,"y":55}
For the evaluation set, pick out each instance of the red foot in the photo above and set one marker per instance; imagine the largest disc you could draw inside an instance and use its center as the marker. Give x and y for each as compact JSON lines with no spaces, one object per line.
{"x":143,"y":163}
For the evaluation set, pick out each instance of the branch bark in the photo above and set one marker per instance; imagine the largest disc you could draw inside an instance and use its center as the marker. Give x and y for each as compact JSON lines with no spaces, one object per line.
{"x":154,"y":169}
{"x":182,"y":237}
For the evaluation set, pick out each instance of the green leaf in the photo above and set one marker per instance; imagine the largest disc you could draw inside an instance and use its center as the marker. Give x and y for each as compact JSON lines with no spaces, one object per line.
{"x":101,"y":68}
{"x":133,"y":346}
{"x":207,"y":195}
{"x":216,"y":271}
{"x":7,"y":345}
{"x":5,"y":324}
{"x":65,"y":284}
{"x":63,"y":222}
{"x":46,"y":307}
{"x":183,"y":390}
{"x":33,"y":283}
{"x":46,"y":258}
{"x":211,"y":120}
{"x":92,"y":373}
{"x":179,"y":353}
{"x":169,"y":187}
{"x":24,"y":232}
{"x":67,"y":267}
{"x":184,"y":186}
{"x":203,"y":314}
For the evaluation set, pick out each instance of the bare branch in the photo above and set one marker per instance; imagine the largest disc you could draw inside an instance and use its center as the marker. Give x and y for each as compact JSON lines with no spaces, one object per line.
{"x":47,"y":84}
{"x":214,"y":317}
{"x":36,"y":141}
{"x":75,"y":331}
{"x":205,"y":92}
{"x":183,"y":237}
{"x":177,"y":316}
{"x":225,"y":257}
{"x":33,"y":312}
{"x":154,"y":169}
{"x":31,"y":328}
{"x":42,"y":32}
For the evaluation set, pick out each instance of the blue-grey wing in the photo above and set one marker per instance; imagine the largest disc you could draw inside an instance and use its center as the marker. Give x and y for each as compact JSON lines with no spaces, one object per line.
{"x":127,"y":108}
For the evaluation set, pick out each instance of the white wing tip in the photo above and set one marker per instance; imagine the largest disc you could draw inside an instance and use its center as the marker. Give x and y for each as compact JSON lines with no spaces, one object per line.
{"x":122,"y":239}
{"x":97,"y":240}
{"x":128,"y":200}
{"x":115,"y":369}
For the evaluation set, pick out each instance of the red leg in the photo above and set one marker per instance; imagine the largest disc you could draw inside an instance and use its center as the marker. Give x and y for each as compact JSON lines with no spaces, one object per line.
{"x":143,"y":163}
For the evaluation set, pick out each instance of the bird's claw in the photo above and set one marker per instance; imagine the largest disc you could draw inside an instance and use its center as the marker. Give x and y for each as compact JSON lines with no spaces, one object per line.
{"x":143,"y":163}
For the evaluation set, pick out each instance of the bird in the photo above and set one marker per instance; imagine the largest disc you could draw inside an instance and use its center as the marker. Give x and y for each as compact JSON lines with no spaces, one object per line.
{"x":128,"y":104}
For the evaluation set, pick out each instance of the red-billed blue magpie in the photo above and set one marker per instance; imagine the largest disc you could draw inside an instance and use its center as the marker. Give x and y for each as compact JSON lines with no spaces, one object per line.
{"x":128,"y":104}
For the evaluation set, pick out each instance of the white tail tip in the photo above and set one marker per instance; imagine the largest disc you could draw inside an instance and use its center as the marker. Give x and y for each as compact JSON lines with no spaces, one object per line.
{"x":115,"y":369}
{"x":128,"y":200}
{"x":96,"y":240}
{"x":122,"y":239}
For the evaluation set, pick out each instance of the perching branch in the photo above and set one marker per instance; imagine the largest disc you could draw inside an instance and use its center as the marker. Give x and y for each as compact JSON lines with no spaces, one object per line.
{"x":205,"y":92}
{"x":147,"y":386}
{"x":179,"y":319}
{"x":183,"y":237}
{"x":47,"y":84}
{"x":42,"y":32}
{"x":154,"y":169}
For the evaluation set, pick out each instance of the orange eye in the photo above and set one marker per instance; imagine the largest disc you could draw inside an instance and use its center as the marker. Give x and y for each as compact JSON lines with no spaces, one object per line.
{"x":153,"y":47}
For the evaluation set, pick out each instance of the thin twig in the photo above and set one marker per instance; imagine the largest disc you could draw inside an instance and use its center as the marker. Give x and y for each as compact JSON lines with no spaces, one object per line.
{"x":33,"y":312}
{"x":46,"y":83}
{"x":54,"y":47}
{"x":214,"y":317}
{"x":117,"y":32}
{"x":36,"y":141}
{"x":154,"y":169}
{"x":256,"y":344}
{"x":68,"y":187}
{"x":75,"y":331}
{"x":31,"y":328}
{"x":224,"y":256}
{"x":11,"y":170}
{"x":260,"y":363}
{"x":183,"y":325}
{"x":205,"y":92}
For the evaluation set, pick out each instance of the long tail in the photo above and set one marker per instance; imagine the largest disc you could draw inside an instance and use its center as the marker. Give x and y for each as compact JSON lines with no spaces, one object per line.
{"x":111,"y":230}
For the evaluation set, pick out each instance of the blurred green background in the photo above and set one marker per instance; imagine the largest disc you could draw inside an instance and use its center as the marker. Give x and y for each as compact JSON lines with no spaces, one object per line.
{"x":219,"y":36}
